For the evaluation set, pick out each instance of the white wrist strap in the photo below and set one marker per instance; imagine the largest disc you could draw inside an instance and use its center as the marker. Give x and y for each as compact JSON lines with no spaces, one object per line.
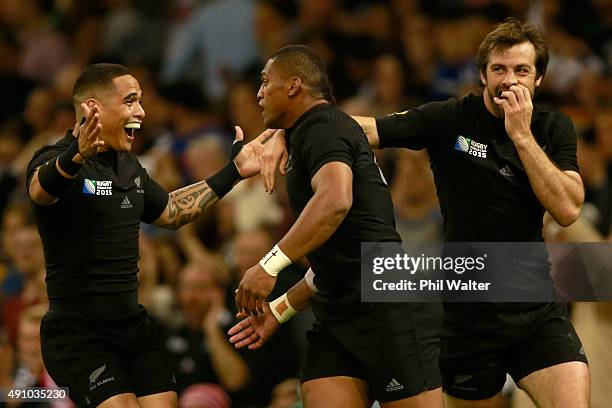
{"x":282,"y":309}
{"x":309,"y":278}
{"x":274,"y":261}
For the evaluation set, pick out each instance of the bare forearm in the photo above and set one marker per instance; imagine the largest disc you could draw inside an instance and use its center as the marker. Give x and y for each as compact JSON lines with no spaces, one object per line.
{"x":561,"y":194}
{"x":186,"y":204}
{"x":299,"y":295}
{"x":231,"y":370}
{"x":317,"y":222}
{"x":368,"y":124}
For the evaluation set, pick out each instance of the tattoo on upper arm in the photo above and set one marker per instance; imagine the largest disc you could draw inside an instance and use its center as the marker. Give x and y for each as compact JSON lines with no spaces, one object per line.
{"x":187,"y":203}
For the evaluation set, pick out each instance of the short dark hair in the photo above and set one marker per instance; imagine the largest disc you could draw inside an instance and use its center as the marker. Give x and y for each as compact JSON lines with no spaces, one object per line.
{"x":303,"y":62}
{"x":509,"y":33}
{"x":96,"y":77}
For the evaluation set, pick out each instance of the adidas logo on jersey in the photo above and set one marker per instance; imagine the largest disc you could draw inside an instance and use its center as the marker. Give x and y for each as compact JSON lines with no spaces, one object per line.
{"x":394,"y":385}
{"x":126,"y":203}
{"x":506,"y":171}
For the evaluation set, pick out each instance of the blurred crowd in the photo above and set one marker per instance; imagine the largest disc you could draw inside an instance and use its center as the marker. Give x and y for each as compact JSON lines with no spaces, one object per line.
{"x":198,"y":63}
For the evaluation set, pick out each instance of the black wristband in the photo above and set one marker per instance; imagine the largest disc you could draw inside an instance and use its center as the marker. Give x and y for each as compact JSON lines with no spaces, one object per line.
{"x":65,"y":159}
{"x":52,"y":181}
{"x":236,"y":148}
{"x":223,"y":181}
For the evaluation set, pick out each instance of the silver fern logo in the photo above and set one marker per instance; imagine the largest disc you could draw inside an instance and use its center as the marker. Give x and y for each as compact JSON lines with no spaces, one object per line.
{"x":139,"y":188}
{"x":93,"y":377}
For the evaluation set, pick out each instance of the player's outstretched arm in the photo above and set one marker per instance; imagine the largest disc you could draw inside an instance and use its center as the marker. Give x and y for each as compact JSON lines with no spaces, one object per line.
{"x":187,"y":203}
{"x":368,"y":124}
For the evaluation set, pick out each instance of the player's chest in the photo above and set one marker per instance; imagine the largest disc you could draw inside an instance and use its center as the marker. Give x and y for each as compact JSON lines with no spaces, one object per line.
{"x":483,"y":155}
{"x":102,"y":196}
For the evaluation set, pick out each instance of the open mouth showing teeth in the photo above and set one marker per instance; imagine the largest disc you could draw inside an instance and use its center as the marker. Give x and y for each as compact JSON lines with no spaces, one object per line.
{"x":130,"y":129}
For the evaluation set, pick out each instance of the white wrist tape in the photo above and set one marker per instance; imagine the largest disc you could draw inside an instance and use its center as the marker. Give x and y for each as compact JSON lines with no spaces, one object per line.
{"x":309,"y":278}
{"x":282,"y":309}
{"x":274,"y":261}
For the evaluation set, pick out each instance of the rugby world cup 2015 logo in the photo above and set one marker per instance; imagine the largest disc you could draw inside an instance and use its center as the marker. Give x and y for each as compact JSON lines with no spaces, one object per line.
{"x":471,"y":147}
{"x":462,"y":144}
{"x":98,"y":187}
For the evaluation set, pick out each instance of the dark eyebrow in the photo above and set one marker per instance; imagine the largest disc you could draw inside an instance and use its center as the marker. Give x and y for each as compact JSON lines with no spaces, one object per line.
{"x":130,"y":96}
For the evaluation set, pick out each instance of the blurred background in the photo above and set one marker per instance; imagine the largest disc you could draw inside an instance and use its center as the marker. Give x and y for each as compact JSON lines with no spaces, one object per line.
{"x":198,"y":64}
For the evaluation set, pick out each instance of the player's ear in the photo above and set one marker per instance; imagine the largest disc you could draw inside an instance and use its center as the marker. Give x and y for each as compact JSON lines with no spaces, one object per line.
{"x":538,"y":81}
{"x":295,"y":84}
{"x":483,"y":79}
{"x":91,"y":102}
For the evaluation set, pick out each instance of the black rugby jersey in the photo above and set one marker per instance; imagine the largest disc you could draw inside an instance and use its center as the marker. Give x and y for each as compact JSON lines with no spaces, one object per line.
{"x":483,"y":189}
{"x":322,"y":135}
{"x":90,"y":235}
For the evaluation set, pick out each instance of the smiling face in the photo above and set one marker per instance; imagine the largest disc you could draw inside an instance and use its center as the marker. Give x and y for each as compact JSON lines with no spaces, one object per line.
{"x":507,"y":67}
{"x":121,"y":112}
{"x":273,"y":96}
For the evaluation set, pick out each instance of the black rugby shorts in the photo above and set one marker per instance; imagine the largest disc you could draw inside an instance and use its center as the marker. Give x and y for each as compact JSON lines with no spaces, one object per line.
{"x":99,"y":359}
{"x":394,"y":347}
{"x":481,"y":344}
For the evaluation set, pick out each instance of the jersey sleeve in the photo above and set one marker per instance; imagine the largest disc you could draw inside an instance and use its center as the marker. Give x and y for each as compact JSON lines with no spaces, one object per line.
{"x":564,"y":152}
{"x":325,"y":143}
{"x":416,"y":128}
{"x":155,"y":199}
{"x":41,"y":156}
